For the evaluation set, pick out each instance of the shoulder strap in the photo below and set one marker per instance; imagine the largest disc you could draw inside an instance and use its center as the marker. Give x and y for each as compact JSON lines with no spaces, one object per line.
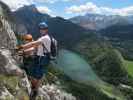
{"x":51,"y":38}
{"x":44,"y":48}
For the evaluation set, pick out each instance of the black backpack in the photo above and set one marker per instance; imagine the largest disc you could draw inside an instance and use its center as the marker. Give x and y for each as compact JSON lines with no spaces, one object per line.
{"x":53,"y":47}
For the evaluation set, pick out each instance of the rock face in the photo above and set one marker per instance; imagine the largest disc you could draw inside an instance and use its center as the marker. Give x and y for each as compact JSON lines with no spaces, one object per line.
{"x":8,"y":42}
{"x":12,"y":86}
{"x":53,"y":92}
{"x":8,"y":65}
{"x":7,"y":36}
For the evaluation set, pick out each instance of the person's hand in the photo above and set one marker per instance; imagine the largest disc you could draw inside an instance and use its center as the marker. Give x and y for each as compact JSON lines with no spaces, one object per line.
{"x":18,"y":48}
{"x":20,"y":52}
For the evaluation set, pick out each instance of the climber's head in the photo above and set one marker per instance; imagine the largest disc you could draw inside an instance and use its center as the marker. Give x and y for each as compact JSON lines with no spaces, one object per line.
{"x":43,"y":27}
{"x":28,"y":38}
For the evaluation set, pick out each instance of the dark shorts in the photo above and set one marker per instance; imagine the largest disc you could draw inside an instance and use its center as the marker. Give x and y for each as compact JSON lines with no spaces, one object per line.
{"x":39,"y":67}
{"x":27,"y":64}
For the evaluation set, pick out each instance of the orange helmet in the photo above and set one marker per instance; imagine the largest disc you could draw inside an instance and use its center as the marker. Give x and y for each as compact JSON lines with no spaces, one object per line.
{"x":28,"y":37}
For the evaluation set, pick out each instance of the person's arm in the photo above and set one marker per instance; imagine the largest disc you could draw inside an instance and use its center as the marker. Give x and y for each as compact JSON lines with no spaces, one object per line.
{"x":27,"y":51}
{"x":31,"y":44}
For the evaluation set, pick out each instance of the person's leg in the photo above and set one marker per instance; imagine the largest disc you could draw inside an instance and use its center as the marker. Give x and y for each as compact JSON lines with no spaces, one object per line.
{"x":36,"y":80}
{"x":37,"y":72}
{"x":35,"y":83}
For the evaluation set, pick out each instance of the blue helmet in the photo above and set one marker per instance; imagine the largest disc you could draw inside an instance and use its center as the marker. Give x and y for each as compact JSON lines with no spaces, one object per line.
{"x":43,"y":25}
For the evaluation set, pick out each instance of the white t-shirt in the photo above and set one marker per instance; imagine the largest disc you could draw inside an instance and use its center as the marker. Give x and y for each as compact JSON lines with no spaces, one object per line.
{"x":46,"y":41}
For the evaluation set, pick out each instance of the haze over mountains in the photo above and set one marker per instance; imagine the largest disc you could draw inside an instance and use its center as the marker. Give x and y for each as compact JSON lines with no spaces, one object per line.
{"x":118,"y":30}
{"x":98,"y":22}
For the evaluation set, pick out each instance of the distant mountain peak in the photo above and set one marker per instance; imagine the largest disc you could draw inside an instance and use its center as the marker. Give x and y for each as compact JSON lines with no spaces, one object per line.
{"x":99,"y":21}
{"x":92,"y":14}
{"x":32,"y":8}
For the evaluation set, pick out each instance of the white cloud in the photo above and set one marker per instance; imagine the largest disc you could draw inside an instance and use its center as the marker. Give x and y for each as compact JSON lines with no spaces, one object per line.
{"x":15,"y":4}
{"x":92,"y":8}
{"x":44,"y":9}
{"x":70,"y":0}
{"x":89,"y":7}
{"x":45,"y":1}
{"x":52,"y":1}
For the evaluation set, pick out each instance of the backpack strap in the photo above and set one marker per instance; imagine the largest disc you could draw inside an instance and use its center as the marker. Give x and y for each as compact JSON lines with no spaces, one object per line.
{"x":45,"y":49}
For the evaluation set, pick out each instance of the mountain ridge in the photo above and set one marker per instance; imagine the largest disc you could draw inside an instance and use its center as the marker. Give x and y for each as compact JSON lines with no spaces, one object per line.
{"x":98,"y":21}
{"x":121,"y":37}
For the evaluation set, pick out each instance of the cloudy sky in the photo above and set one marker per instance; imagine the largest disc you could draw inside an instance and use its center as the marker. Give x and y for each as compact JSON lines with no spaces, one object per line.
{"x":70,"y":8}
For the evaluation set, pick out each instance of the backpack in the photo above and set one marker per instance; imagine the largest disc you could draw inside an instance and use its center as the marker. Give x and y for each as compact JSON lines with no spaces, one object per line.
{"x":53,"y":53}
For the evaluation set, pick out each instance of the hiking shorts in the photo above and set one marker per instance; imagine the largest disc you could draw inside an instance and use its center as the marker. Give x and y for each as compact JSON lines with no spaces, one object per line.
{"x":40,"y":67}
{"x":27,"y":64}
